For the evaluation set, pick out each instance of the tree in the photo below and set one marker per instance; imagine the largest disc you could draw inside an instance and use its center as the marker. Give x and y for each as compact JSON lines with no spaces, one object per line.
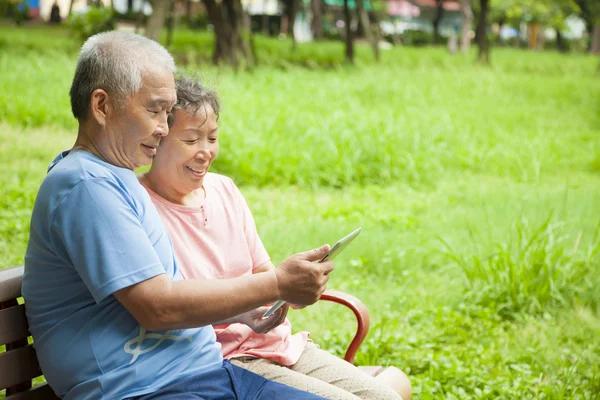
{"x":156,"y":20}
{"x":317,"y":18}
{"x":439,"y":14}
{"x":590,"y":13}
{"x":349,"y":38}
{"x":364,"y":19}
{"x":466,"y":14}
{"x":232,"y":35}
{"x":481,"y":32}
{"x":291,"y":10}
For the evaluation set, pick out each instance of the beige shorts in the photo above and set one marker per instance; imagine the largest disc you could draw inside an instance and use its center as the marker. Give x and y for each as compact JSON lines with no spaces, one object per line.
{"x":321,"y":373}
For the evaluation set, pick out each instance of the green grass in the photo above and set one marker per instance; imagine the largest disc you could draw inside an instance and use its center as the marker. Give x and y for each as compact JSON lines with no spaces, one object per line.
{"x":477,"y":189}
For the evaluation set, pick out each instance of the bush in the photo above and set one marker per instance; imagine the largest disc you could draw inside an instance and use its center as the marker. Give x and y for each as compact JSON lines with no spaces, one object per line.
{"x":412,"y":37}
{"x":16,"y":10}
{"x":542,"y":268}
{"x":94,"y":21}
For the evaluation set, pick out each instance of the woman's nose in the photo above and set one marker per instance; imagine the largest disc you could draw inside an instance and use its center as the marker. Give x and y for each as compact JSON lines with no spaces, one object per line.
{"x":203,"y":154}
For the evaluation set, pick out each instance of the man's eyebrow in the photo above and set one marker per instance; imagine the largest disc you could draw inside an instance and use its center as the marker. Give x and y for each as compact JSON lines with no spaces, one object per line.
{"x":163,"y":102}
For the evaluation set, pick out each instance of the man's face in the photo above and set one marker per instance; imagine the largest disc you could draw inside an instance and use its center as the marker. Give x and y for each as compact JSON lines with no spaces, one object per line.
{"x":186,"y":155}
{"x":135,"y":130}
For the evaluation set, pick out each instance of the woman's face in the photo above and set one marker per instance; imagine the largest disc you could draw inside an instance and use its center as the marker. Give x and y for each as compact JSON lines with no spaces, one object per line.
{"x":185,"y":155}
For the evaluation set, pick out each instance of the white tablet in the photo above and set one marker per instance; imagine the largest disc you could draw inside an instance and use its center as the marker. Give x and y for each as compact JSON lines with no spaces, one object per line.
{"x":331,"y":254}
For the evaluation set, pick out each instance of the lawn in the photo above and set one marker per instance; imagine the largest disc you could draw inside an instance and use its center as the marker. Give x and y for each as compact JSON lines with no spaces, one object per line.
{"x":478,"y":190}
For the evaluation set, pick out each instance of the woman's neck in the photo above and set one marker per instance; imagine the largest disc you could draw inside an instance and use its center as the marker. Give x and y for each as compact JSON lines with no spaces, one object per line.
{"x":160,"y":186}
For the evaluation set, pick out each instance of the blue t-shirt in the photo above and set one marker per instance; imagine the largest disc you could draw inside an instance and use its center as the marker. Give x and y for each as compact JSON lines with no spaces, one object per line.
{"x":94,"y":230}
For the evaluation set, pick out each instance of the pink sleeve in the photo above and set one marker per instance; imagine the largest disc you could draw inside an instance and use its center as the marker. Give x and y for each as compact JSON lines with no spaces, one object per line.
{"x":255,"y":245}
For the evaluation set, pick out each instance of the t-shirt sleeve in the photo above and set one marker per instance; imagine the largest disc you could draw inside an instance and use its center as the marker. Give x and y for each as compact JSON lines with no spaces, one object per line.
{"x":98,"y":227}
{"x":255,"y":245}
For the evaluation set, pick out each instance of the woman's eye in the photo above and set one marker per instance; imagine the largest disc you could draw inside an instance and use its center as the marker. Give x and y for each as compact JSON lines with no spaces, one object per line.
{"x":212,"y":140}
{"x":190,"y":141}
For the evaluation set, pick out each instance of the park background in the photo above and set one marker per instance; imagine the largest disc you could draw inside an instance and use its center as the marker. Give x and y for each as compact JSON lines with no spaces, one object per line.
{"x":466,"y":144}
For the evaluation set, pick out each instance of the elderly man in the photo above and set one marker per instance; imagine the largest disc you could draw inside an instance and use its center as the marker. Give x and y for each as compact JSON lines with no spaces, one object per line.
{"x":109,"y":312}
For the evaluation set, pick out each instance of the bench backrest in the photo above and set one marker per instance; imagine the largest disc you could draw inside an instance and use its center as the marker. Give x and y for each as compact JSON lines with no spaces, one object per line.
{"x":18,"y":363}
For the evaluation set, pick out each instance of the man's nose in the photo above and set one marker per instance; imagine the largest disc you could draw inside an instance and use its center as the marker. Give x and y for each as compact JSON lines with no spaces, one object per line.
{"x":163,"y":127}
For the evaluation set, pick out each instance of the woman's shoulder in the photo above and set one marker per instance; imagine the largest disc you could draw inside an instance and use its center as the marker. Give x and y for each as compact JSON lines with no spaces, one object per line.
{"x":219,"y":180}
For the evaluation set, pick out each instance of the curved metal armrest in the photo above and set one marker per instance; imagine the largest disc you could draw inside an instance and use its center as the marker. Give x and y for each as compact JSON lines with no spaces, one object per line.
{"x":362,"y":317}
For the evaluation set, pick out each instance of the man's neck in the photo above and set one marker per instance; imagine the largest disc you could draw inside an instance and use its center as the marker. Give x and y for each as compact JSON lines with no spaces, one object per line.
{"x":88,"y":140}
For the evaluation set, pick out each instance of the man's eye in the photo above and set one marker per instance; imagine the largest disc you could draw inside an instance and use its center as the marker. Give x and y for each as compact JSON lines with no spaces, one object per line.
{"x":212,"y":140}
{"x":191,"y":141}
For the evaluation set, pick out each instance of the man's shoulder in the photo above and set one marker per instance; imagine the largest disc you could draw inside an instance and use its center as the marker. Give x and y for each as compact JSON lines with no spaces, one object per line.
{"x":79,"y":166}
{"x":77,"y":173}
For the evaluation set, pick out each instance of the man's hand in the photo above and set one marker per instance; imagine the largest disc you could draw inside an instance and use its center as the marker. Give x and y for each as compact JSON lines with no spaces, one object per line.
{"x":300,"y":280}
{"x":254,"y":320}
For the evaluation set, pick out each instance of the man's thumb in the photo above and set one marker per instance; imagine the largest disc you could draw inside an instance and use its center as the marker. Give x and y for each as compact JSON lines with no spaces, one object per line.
{"x":315,"y":254}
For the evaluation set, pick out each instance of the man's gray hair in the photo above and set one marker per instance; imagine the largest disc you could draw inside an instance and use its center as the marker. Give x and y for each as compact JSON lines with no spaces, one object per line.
{"x":115,"y":62}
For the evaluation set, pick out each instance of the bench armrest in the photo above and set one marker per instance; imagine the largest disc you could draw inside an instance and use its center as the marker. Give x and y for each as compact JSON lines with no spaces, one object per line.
{"x":362,"y":318}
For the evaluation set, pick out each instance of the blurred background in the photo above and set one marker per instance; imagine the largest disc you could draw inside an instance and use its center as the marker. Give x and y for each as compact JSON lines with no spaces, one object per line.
{"x":463,"y":136}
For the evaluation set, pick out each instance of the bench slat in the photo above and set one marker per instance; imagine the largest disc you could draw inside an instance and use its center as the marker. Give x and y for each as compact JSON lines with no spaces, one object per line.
{"x":13,"y":324}
{"x":41,"y":392}
{"x":10,"y":283}
{"x":17,"y":366}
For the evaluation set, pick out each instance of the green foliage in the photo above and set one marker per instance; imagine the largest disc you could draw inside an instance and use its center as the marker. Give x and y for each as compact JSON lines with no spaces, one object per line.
{"x":15,"y":10}
{"x":424,"y":145}
{"x":95,"y":20}
{"x":540,"y":268}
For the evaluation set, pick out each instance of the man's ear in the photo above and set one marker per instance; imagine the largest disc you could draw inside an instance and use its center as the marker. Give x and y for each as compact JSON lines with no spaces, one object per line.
{"x":99,"y":106}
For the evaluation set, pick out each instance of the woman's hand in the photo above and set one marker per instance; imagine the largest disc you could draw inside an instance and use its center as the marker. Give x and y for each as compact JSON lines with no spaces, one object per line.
{"x":297,"y":307}
{"x":254,"y":320}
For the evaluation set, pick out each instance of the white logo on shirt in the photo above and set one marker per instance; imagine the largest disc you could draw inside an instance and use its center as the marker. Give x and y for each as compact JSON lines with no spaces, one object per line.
{"x":134,"y":346}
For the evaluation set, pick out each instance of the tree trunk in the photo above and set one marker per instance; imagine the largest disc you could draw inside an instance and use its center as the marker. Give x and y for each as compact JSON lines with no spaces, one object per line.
{"x":232,"y":39}
{"x":482,"y":40}
{"x":70,"y":7}
{"x":129,"y":6}
{"x":533,"y":35}
{"x":170,"y":22}
{"x":364,"y":21}
{"x":595,"y":46}
{"x":240,"y":35}
{"x":439,"y":13}
{"x":188,"y":12}
{"x":561,"y":45}
{"x":139,"y":18}
{"x":541,"y":38}
{"x":349,"y":38}
{"x":294,"y":5}
{"x":466,"y":13}
{"x":378,"y":34}
{"x":317,"y":19}
{"x":157,"y":19}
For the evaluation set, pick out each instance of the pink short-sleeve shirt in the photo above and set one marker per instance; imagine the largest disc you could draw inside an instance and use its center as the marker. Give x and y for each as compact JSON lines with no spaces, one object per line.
{"x":218,"y":240}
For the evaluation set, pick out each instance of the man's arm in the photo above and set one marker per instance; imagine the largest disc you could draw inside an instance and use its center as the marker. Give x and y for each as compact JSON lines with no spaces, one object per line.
{"x":162,"y":304}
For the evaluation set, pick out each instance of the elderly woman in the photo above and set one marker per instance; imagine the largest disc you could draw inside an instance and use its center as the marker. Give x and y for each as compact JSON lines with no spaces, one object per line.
{"x":215,"y":237}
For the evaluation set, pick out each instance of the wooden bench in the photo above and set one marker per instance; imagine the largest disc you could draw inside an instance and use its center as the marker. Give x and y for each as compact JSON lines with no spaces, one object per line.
{"x":19,"y":364}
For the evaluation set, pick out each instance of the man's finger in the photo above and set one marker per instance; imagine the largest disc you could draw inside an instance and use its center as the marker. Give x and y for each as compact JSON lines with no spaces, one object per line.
{"x":326,"y":267}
